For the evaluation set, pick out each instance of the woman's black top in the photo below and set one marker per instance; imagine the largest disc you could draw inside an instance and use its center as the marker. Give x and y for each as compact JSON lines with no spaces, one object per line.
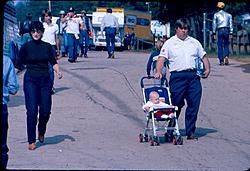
{"x":36,"y":55}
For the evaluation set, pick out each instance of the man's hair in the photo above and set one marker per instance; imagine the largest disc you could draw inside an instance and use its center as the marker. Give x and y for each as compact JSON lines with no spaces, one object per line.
{"x":181,"y":23}
{"x":109,"y":10}
{"x":44,"y":12}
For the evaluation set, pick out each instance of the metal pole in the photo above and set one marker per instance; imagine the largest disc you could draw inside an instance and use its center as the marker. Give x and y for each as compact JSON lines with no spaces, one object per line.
{"x":49,"y":5}
{"x":204,"y":30}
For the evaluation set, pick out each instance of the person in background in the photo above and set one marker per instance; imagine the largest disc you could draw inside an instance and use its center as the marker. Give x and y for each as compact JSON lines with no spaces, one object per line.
{"x":37,"y":85}
{"x":223,"y":24}
{"x":10,"y":86}
{"x":74,"y":24}
{"x":50,"y":36}
{"x":61,"y":22}
{"x":151,"y":64}
{"x":85,"y":31}
{"x":24,"y":30}
{"x":181,"y":51}
{"x":110,"y":26}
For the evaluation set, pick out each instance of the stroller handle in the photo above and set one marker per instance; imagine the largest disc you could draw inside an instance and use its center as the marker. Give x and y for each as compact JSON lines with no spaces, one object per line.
{"x":151,"y":77}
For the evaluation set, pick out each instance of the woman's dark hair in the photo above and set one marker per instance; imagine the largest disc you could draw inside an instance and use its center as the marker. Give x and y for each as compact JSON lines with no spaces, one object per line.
{"x":37,"y":26}
{"x":182,"y":23}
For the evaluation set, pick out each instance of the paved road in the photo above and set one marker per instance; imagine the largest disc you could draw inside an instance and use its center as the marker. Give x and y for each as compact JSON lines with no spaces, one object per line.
{"x":97,"y":116}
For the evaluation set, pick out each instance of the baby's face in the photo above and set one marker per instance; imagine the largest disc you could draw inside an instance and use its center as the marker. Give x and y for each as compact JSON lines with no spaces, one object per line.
{"x":155,"y":99}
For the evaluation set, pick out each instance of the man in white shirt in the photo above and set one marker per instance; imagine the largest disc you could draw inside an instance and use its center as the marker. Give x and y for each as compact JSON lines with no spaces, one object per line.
{"x":50,"y":36}
{"x":110,"y":26}
{"x":181,"y":51}
{"x":74,"y":24}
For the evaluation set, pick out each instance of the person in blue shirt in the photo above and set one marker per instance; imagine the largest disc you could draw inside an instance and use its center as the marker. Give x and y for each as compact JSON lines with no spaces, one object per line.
{"x":10,"y":86}
{"x":152,"y":60}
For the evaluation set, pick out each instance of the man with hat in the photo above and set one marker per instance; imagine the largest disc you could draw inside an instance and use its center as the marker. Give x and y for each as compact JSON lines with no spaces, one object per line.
{"x":223,"y":24}
{"x":74,"y":24}
{"x":85,"y":31}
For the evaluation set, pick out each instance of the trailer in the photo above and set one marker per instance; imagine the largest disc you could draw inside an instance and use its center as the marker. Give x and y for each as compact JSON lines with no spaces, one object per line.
{"x":135,"y":23}
{"x":99,"y":40}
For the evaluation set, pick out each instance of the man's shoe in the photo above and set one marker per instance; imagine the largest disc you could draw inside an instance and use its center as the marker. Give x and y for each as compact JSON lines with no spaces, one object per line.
{"x":222,"y":63}
{"x":40,"y":138}
{"x":226,"y":60}
{"x":32,"y":146}
{"x":71,"y":60}
{"x":85,"y":56}
{"x":112,"y":55}
{"x":192,"y":137}
{"x":53,"y":91}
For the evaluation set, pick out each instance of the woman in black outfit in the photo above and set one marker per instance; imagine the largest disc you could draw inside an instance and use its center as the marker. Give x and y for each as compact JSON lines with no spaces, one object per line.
{"x":37,"y":85}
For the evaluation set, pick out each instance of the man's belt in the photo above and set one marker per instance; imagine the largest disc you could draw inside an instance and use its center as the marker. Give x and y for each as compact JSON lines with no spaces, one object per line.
{"x":186,"y":70}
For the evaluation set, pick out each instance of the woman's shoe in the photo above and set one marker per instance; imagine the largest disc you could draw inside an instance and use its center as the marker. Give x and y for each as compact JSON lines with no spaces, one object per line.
{"x":32,"y":146}
{"x":40,"y":138}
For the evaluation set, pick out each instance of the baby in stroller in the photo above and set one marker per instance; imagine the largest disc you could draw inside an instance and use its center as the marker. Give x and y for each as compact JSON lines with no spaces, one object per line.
{"x":159,"y":114}
{"x":157,"y":102}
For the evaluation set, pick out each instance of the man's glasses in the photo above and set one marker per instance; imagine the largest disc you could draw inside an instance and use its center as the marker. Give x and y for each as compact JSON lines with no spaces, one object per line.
{"x":38,"y":31}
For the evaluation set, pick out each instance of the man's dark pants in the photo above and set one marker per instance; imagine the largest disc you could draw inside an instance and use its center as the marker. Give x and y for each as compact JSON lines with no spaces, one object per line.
{"x":186,"y":85}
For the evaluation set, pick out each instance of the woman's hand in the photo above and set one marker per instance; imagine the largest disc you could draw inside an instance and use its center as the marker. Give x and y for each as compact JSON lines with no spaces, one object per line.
{"x":59,"y":75}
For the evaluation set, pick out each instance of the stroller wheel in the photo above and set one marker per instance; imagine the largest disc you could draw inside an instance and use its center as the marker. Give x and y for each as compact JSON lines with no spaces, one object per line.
{"x":157,"y":143}
{"x":151,"y":142}
{"x":140,"y":138}
{"x":177,"y":140}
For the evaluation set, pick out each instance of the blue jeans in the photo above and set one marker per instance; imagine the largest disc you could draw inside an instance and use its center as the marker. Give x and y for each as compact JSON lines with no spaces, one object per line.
{"x":223,"y":44}
{"x":37,"y":92}
{"x":110,"y":38}
{"x":65,"y":41}
{"x":4,"y":132}
{"x":72,"y":44}
{"x":186,"y":85}
{"x":84,"y":36}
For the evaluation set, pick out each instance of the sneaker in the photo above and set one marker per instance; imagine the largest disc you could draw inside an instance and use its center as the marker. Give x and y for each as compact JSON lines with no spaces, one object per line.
{"x":71,"y":60}
{"x":226,"y":60}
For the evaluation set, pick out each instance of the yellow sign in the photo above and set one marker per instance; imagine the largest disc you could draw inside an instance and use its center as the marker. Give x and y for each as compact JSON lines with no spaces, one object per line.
{"x":120,"y":10}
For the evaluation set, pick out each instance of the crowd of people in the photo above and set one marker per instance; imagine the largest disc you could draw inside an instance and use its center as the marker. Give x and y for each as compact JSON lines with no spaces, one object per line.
{"x":43,"y":42}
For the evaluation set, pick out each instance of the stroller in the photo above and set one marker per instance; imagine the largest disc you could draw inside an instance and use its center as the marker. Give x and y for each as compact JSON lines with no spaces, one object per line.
{"x":157,"y":126}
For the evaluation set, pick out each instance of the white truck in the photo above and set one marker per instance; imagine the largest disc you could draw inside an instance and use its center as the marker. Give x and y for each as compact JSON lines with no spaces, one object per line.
{"x":99,"y":41}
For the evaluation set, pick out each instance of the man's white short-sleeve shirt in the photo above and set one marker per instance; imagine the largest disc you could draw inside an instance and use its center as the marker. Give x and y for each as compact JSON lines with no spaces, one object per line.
{"x":182,"y":53}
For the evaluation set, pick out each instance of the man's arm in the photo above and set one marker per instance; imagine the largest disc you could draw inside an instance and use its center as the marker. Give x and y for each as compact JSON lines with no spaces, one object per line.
{"x":159,"y":65}
{"x":207,"y":66}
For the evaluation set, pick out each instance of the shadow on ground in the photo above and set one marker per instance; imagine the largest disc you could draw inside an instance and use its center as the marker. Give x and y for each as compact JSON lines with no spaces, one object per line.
{"x":54,"y":140}
{"x":245,"y":67}
{"x":199,"y":132}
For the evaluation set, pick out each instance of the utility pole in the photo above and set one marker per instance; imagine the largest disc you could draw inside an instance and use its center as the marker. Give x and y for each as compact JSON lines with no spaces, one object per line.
{"x":49,"y":5}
